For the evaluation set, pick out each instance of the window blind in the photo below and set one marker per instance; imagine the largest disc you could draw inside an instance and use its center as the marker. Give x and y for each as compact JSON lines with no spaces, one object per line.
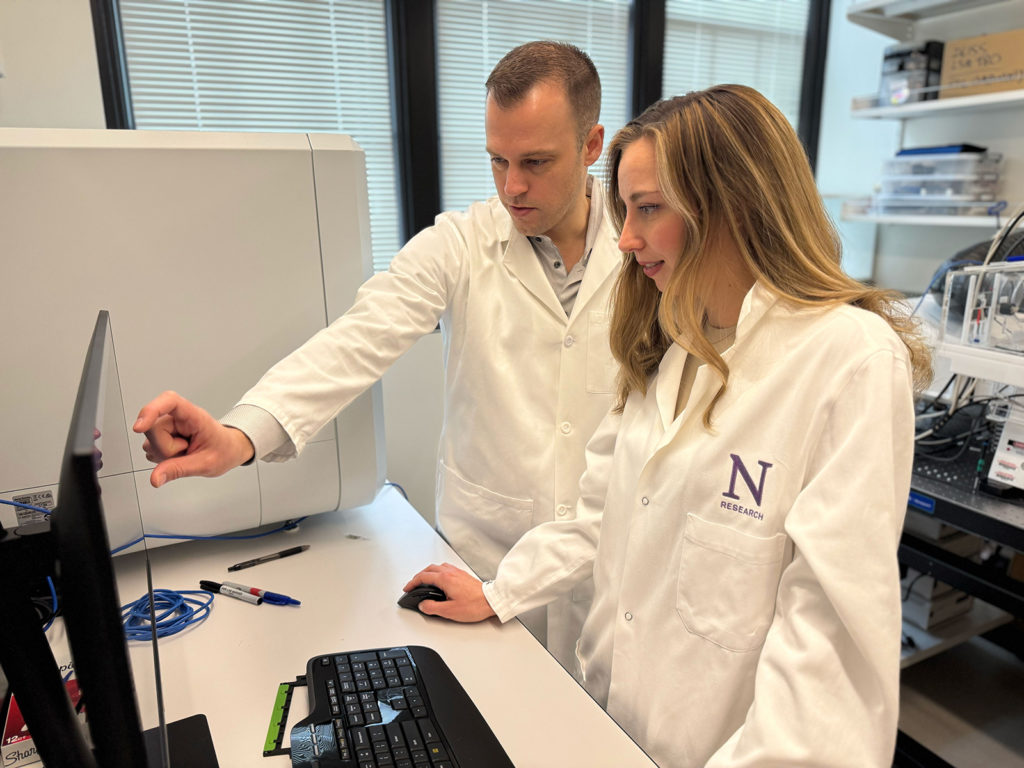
{"x":316,"y":66}
{"x":473,"y":35}
{"x":759,"y":43}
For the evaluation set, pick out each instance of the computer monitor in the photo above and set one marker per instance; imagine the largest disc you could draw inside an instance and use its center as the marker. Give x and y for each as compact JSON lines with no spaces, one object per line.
{"x":72,"y":546}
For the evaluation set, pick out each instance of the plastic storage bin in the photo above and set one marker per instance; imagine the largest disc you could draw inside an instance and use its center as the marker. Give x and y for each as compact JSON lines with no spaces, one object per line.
{"x":981,"y":165}
{"x":939,"y":184}
{"x":921,"y":205}
{"x":952,"y":187}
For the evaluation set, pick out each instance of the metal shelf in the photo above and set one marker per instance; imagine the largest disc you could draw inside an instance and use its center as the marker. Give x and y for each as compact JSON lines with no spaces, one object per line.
{"x":980,"y":619}
{"x":976,"y":512}
{"x":896,"y":18}
{"x":987,"y":222}
{"x":979,"y":102}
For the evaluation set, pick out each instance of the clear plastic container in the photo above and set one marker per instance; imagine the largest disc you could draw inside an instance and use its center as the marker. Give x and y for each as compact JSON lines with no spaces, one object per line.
{"x":991,"y":301}
{"x":941,"y":186}
{"x":981,"y":165}
{"x":923,"y":205}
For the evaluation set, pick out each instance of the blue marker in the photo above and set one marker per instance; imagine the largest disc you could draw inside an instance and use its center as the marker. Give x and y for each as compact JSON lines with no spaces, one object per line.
{"x":271,"y":598}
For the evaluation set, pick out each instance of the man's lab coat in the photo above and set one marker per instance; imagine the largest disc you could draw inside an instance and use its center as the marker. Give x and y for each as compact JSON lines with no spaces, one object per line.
{"x":747,"y":604}
{"x":525,"y":386}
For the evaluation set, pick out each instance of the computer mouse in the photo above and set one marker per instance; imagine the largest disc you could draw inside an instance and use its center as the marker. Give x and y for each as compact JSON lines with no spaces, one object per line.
{"x":416,"y":595}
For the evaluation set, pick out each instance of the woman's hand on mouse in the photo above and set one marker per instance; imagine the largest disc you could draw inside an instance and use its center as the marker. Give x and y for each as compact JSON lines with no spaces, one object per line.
{"x":466,"y":601}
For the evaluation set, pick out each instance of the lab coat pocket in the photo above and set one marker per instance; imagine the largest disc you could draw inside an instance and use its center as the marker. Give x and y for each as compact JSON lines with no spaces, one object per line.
{"x":480,"y":524}
{"x":601,"y":366}
{"x":728,"y":581}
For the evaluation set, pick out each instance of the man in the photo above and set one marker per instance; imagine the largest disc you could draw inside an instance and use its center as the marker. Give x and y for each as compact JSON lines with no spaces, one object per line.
{"x":520,"y":286}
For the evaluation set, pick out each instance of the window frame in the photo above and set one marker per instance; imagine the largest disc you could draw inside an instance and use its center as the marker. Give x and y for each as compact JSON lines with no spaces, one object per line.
{"x":412,"y":52}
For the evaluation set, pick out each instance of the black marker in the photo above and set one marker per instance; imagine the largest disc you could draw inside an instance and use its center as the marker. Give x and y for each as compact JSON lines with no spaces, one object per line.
{"x":268,"y":558}
{"x":224,"y":589}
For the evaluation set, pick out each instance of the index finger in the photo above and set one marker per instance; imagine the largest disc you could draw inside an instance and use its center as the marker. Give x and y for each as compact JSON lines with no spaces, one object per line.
{"x":428,"y":575}
{"x":161,"y":405}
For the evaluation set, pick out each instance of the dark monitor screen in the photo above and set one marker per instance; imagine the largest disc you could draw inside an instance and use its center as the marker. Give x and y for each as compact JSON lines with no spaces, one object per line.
{"x":73,"y":546}
{"x":91,"y":605}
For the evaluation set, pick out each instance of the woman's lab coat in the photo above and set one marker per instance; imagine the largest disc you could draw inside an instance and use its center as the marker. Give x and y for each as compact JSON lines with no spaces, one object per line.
{"x":525,"y":386}
{"x":747,"y":606}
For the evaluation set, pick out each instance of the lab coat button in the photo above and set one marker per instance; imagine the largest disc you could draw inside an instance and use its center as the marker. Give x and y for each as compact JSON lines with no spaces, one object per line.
{"x":569,"y":341}
{"x":629,"y":616}
{"x":563,"y":510}
{"x":566,"y":427}
{"x":645,"y":501}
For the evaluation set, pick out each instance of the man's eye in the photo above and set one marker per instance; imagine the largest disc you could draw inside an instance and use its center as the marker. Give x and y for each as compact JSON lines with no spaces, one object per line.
{"x":498,"y":161}
{"x":536,"y":163}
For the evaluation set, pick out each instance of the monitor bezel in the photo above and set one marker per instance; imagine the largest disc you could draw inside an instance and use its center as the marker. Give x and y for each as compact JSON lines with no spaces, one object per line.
{"x":91,"y":604}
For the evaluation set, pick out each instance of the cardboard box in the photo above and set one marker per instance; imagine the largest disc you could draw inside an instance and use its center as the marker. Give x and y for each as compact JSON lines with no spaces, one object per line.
{"x":927,"y":613}
{"x":17,"y":748}
{"x":994,"y":62}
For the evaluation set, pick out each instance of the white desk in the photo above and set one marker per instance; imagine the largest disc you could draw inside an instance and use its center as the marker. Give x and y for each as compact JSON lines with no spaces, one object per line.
{"x":229,"y":667}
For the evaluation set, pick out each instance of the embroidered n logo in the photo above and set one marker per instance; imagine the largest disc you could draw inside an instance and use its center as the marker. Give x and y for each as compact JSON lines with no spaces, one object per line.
{"x":739,"y":469}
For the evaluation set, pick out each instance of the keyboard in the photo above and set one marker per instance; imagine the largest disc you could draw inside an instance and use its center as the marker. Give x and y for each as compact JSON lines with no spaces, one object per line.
{"x":391,"y":708}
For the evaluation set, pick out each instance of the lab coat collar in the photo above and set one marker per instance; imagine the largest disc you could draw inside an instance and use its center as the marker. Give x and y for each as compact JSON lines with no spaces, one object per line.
{"x":605,"y":257}
{"x":666,"y":392}
{"x":756,"y":303}
{"x":521,"y":260}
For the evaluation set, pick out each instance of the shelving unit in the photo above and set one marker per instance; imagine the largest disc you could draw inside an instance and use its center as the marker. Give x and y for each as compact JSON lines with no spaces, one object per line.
{"x":906,"y":20}
{"x":898,"y":18}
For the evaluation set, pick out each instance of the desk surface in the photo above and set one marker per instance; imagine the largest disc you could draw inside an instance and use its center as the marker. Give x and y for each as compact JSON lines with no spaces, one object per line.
{"x":229,"y":667}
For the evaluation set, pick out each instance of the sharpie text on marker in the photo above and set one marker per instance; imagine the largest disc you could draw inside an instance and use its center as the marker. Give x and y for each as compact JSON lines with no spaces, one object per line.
{"x":268,"y":558}
{"x":270,"y":598}
{"x":224,"y":589}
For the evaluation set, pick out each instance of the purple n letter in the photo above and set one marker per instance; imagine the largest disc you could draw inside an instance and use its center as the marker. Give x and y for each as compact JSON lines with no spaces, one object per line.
{"x":740,"y":469}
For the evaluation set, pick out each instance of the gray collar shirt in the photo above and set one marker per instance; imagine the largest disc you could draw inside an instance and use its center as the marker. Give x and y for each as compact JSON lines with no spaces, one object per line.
{"x":566,"y":285}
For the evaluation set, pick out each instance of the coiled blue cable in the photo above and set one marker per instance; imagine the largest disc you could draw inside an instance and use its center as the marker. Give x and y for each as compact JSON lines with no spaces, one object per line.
{"x":172,"y":612}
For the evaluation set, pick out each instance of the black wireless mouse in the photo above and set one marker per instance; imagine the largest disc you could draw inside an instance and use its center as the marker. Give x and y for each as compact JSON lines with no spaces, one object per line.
{"x":416,"y":595}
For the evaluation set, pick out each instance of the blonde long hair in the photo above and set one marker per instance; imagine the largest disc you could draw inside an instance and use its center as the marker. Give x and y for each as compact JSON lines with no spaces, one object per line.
{"x":728,"y":158}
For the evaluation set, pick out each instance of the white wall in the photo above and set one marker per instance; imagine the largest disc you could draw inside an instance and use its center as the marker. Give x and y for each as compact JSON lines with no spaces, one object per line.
{"x":413,"y":411}
{"x":850,"y":152}
{"x":48,"y":58}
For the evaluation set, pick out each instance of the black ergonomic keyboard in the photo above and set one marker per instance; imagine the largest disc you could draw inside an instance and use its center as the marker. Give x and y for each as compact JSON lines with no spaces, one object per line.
{"x":391,"y":708}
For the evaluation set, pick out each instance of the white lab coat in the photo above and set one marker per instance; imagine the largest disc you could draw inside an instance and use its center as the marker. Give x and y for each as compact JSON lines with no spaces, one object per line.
{"x":757,"y":558}
{"x":525,"y":386}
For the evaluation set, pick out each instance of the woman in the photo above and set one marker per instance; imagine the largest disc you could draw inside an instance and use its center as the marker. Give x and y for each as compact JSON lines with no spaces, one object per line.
{"x":743,"y":502}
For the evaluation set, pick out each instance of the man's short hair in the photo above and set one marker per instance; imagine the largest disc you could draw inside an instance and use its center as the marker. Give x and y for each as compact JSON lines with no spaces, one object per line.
{"x":545,"y":61}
